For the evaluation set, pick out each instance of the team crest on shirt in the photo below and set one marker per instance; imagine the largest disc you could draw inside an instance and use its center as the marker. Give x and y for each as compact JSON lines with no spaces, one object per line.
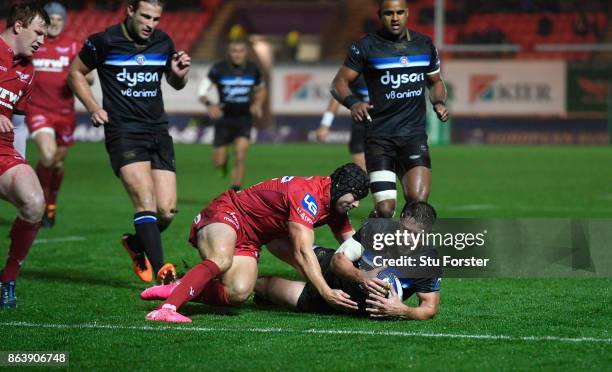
{"x":404,"y":61}
{"x":140,"y":59}
{"x":23,"y":77}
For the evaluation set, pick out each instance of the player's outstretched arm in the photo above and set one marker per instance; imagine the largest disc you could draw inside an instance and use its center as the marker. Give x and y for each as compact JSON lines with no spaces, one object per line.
{"x":327,"y":120}
{"x":392,"y":306}
{"x":302,"y":239}
{"x":77,"y":80}
{"x":179,"y":68}
{"x":437,"y":94}
{"x":341,"y":91}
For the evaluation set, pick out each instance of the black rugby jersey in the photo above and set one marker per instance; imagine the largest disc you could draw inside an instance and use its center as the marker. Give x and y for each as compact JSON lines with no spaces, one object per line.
{"x":359,"y":88}
{"x":395,"y":73}
{"x":130,"y":75}
{"x":236,"y":85}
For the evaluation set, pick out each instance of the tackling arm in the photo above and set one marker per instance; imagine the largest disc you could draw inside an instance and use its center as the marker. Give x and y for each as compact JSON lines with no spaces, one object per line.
{"x":302,"y":239}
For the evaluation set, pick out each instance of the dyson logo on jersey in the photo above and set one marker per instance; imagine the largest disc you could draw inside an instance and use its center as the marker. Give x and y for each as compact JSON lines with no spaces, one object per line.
{"x":133,"y":78}
{"x":396,"y":80}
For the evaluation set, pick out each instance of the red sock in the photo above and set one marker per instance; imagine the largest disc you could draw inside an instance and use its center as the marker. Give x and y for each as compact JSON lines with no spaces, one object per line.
{"x":54,"y":186}
{"x":193,"y":283}
{"x":22,"y":237}
{"x":214,"y":294}
{"x":45,"y":175}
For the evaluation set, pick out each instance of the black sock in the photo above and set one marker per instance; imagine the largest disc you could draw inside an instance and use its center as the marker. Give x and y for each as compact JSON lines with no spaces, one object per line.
{"x":134,"y":243}
{"x":148,"y":234}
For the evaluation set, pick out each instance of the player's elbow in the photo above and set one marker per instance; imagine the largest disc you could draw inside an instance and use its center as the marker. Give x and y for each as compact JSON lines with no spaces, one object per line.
{"x":336,"y":263}
{"x":427,"y":313}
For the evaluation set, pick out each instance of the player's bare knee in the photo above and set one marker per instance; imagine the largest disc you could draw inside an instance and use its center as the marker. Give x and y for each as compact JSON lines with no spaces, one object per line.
{"x":33,"y":208}
{"x":166,"y":215}
{"x":385,"y":209}
{"x":239,"y":293}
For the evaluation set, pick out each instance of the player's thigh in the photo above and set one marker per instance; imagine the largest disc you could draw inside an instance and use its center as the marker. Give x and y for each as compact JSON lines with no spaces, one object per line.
{"x":20,"y":186}
{"x":414,"y":166}
{"x":165,"y":189}
{"x":281,"y":291}
{"x":216,"y":242}
{"x":240,"y":279}
{"x":138,"y":182}
{"x":45,"y":141}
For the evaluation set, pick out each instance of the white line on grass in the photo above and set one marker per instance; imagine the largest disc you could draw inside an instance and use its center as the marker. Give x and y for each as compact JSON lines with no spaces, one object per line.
{"x":307,"y":331}
{"x":60,"y":240}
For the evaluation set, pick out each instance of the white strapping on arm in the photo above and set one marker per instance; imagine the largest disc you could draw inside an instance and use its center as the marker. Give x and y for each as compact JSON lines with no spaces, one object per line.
{"x":208,"y":89}
{"x":328,"y":119}
{"x":21,"y":134}
{"x":352,"y":249}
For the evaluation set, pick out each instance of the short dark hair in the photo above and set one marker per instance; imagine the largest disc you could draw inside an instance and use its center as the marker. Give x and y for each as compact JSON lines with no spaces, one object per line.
{"x":25,"y":13}
{"x":381,"y":3}
{"x":423,"y":213}
{"x":135,"y":3}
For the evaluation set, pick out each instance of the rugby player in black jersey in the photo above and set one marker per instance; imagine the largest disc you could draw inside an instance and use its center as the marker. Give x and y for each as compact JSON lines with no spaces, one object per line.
{"x":351,"y":268}
{"x":398,"y":64}
{"x":356,"y":142}
{"x":241,"y":95}
{"x":131,"y":58}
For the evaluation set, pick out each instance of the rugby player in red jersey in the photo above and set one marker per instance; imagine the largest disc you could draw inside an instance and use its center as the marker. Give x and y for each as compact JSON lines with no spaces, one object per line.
{"x":229,"y":234}
{"x":26,"y":27}
{"x":50,"y":113}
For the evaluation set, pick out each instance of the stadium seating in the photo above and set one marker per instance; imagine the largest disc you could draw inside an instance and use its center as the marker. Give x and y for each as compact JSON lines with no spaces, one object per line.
{"x":184,"y":27}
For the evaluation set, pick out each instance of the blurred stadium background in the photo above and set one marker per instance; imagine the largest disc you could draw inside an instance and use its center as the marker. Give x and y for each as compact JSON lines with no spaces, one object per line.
{"x":518,"y":71}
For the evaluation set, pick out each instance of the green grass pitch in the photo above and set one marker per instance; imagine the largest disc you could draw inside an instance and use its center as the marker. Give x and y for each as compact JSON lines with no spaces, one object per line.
{"x":77,"y":292}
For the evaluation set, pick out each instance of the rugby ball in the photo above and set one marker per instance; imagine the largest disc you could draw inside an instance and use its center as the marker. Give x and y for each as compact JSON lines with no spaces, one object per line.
{"x":393,"y":281}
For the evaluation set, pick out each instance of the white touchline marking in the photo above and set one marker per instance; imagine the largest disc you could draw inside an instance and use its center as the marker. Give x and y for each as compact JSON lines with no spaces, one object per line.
{"x":307,"y":331}
{"x":60,"y":240}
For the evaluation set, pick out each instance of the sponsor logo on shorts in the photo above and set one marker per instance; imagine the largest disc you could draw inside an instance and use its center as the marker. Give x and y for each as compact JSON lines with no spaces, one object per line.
{"x":310,"y":204}
{"x":129,"y":155}
{"x":287,"y":179}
